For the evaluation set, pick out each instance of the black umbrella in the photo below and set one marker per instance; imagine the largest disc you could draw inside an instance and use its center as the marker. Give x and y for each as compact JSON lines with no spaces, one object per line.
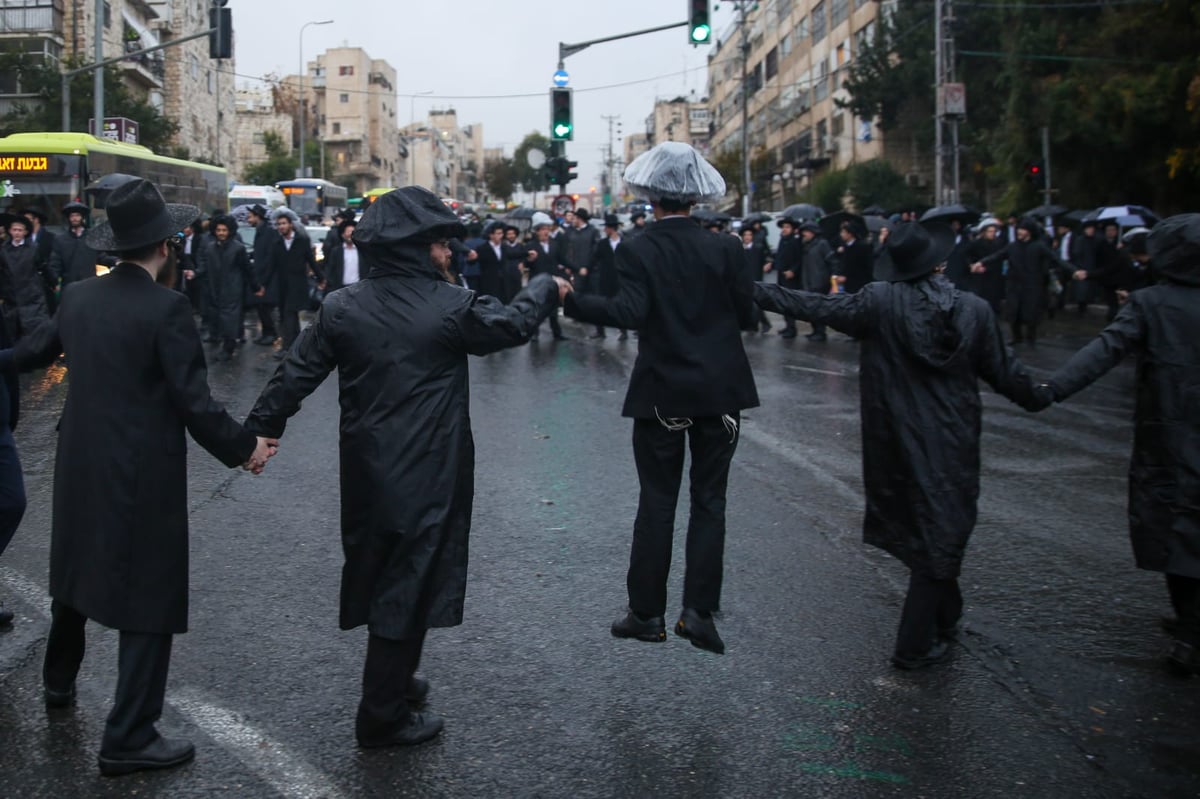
{"x":803,"y":212}
{"x":831,"y":226}
{"x":948,"y":213}
{"x":876,"y":223}
{"x":523,"y":212}
{"x":1124,"y":215}
{"x":706,"y":215}
{"x":874,"y":210}
{"x":1043,"y":211}
{"x":757,"y":216}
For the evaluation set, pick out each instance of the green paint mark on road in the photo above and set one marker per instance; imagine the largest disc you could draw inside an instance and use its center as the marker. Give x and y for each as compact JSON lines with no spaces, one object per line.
{"x":882,"y":743}
{"x":854,"y":771}
{"x":831,"y":704}
{"x":807,"y":739}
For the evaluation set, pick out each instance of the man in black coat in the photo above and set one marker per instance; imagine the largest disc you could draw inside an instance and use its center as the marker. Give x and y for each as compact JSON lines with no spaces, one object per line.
{"x":1160,"y":326}
{"x":343,"y":264}
{"x":546,"y":255}
{"x":856,"y":261}
{"x":42,"y":241}
{"x":12,"y":481}
{"x":688,"y":293}
{"x":987,"y":282}
{"x":789,"y":266}
{"x":266,"y":240}
{"x":514,"y":258}
{"x":925,"y":346}
{"x":399,"y":340}
{"x":21,"y":287}
{"x":601,"y":276}
{"x":637,"y":225}
{"x":119,"y":543}
{"x":293,"y":260}
{"x":757,"y":264}
{"x":229,"y":274}
{"x":492,"y":260}
{"x":580,"y":243}
{"x":816,"y":273}
{"x":1027,"y":283}
{"x":71,"y":259}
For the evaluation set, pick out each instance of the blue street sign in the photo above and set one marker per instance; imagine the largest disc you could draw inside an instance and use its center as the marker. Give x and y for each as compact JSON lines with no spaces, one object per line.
{"x":561,"y":78}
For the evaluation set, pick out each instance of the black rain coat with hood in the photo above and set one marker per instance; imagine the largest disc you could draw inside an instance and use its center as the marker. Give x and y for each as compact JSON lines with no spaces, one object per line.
{"x":399,"y":340}
{"x":925,"y":345}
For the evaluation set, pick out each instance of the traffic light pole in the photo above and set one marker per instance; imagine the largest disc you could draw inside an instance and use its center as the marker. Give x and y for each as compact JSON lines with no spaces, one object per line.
{"x":66,"y":76}
{"x":567,"y":50}
{"x":1047,"y":191}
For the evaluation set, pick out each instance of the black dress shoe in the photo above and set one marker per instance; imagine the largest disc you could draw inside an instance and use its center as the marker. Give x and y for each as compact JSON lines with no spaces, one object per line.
{"x":700,"y":630}
{"x":159,"y":753}
{"x":936,"y":654}
{"x":419,"y":728}
{"x":56,"y":699}
{"x":561,"y":337}
{"x":818,"y":337}
{"x":266,"y":341}
{"x":417,"y":692}
{"x":653,"y":629}
{"x":6,"y":617}
{"x":788,"y":334}
{"x":279,"y":355}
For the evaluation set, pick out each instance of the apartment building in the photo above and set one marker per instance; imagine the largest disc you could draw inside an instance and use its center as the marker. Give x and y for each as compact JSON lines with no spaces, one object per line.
{"x":800,"y":54}
{"x":352,"y":113}
{"x":256,"y":116}
{"x":679,"y":119}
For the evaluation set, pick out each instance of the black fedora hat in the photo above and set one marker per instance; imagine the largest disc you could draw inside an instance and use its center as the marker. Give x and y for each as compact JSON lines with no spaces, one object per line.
{"x":913,"y":250}
{"x":75,"y":207}
{"x":137,"y":217}
{"x":612,"y":220}
{"x":8,"y":219}
{"x":259,"y":210}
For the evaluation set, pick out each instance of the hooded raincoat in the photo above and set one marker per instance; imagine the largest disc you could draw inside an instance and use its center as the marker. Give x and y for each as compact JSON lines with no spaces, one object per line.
{"x":925,"y":345}
{"x":399,"y":339}
{"x":1160,"y":325}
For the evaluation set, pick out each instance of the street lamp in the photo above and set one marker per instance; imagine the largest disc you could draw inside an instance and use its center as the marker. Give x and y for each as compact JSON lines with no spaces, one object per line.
{"x":303,"y":115}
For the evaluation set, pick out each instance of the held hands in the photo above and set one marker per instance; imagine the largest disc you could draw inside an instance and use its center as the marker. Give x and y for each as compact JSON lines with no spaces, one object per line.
{"x":789,"y":274}
{"x":1043,"y":397}
{"x":564,"y":288}
{"x":266,"y":449}
{"x":189,"y":274}
{"x":261,"y":293}
{"x":978,"y":268}
{"x":1080,"y":274}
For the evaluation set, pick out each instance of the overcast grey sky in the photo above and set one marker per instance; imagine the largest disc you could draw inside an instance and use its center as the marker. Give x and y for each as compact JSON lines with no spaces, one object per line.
{"x":469,"y":48}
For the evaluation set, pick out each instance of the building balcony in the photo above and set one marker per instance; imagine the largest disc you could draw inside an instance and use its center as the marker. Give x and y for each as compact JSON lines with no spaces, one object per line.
{"x":148,"y":70}
{"x":35,"y":16}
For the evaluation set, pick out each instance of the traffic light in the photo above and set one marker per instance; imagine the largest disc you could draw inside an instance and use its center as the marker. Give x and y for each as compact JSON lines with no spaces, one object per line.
{"x":567,"y":175}
{"x":220,"y":25}
{"x":561,"y":128}
{"x":1035,"y":173}
{"x":699,"y":27}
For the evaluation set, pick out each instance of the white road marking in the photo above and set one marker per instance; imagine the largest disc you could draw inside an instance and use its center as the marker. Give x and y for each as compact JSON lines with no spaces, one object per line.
{"x":286,"y":773}
{"x":820,"y":371}
{"x":804,"y":457}
{"x":31,"y":593}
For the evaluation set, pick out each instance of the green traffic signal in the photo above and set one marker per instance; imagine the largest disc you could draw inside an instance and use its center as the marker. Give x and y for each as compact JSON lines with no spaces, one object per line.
{"x":562,"y":131}
{"x":700,"y":33}
{"x":561,"y":127}
{"x":699,"y":24}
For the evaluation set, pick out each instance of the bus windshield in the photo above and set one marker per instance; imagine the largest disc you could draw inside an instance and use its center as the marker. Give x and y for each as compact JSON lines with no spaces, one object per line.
{"x":44,"y":182}
{"x":304,"y":200}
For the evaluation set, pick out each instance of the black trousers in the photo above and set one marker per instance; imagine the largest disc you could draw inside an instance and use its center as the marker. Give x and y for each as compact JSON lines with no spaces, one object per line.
{"x":289,"y":326}
{"x":931,"y":606}
{"x":555,"y":327}
{"x":1024,"y":331}
{"x":389,"y":667}
{"x":266,"y":320}
{"x":1185,"y":598}
{"x":142,"y":664}
{"x":12,"y":487}
{"x":658,"y":453}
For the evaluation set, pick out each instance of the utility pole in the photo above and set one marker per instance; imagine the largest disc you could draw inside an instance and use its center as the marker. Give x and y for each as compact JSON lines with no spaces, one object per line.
{"x":748,"y":195}
{"x":98,"y":75}
{"x":945,"y":74}
{"x":1048,"y":191}
{"x":609,"y":161}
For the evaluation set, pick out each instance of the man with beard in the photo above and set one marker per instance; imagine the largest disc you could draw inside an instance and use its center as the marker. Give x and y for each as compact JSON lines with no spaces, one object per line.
{"x":293,"y":260}
{"x":925,"y":346}
{"x":119,"y":540}
{"x":399,"y":340}
{"x":545,"y":256}
{"x":637,"y":225}
{"x":343,"y":264}
{"x":514,"y":256}
{"x":1027,"y":282}
{"x":21,"y":286}
{"x":227,"y":268}
{"x":689,"y":295}
{"x":266,"y":243}
{"x":71,"y":259}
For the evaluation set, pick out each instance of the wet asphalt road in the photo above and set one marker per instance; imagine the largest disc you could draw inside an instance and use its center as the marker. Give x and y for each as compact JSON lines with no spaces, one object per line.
{"x":1056,"y":690}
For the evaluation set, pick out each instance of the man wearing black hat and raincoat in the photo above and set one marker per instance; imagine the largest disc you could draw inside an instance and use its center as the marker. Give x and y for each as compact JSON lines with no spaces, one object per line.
{"x":119,"y":541}
{"x":925,"y":346}
{"x":227,"y":268}
{"x":1027,"y":282}
{"x":71,"y":259}
{"x":1160,"y":326}
{"x":688,"y":293}
{"x":399,"y":340}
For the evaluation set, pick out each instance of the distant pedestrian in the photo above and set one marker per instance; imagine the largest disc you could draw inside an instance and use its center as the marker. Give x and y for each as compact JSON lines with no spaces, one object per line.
{"x":925,"y":346}
{"x":266,"y":301}
{"x":757,"y":265}
{"x":71,"y":259}
{"x":227,"y":267}
{"x":1160,"y":326}
{"x":21,"y":286}
{"x":293,"y":261}
{"x":12,"y":480}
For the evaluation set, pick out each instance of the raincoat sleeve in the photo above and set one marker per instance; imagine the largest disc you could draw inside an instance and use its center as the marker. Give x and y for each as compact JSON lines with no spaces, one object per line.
{"x":997,"y":257}
{"x":308,"y":363}
{"x":1124,"y":335}
{"x":1002,"y":371}
{"x":181,"y":358}
{"x":38,"y":349}
{"x":741,"y":287}
{"x":628,"y":309}
{"x":851,"y":314}
{"x":486,"y":325}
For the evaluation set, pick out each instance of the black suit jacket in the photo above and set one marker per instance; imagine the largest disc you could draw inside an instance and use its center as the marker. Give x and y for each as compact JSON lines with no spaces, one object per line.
{"x":119,"y":546}
{"x":556,"y":263}
{"x":690,"y":295}
{"x":491,"y":269}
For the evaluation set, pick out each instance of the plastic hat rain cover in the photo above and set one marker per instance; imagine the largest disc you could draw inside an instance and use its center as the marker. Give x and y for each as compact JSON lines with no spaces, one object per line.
{"x":674,"y":171}
{"x":540,"y":219}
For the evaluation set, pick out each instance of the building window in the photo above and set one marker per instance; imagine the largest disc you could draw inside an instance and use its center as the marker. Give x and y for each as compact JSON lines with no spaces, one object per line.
{"x":838,"y":11}
{"x":194,"y":66}
{"x":772,"y":63}
{"x":839,"y":126}
{"x":842,"y":54}
{"x":865,"y":37}
{"x":107,"y":14}
{"x":818,"y":22}
{"x":337,"y":128}
{"x":821,"y":81}
{"x":802,"y":30}
{"x":784,"y":7}
{"x":785,"y":45}
{"x":345,"y":70}
{"x":210,"y":80}
{"x":343,"y":98}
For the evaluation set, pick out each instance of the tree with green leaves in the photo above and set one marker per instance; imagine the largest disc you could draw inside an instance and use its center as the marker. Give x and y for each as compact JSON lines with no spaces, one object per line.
{"x":40,"y":78}
{"x":523,"y":175}
{"x":501,"y":182}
